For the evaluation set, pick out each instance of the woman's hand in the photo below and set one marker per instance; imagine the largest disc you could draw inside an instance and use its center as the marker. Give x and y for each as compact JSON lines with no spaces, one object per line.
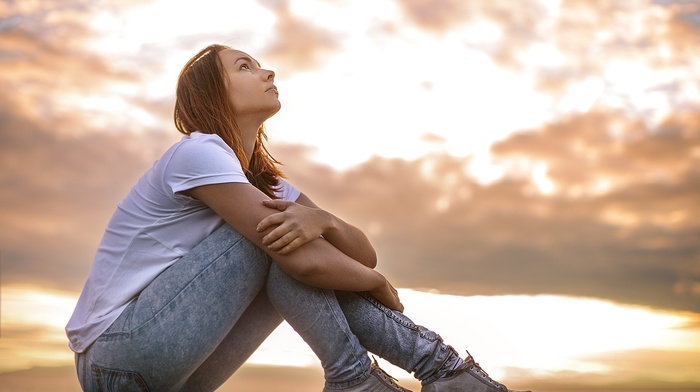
{"x":388,"y":296}
{"x":296,"y":225}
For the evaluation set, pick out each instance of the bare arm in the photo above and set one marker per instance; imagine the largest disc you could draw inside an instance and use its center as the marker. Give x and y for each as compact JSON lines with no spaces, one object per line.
{"x":317,"y":263}
{"x":303,"y":221}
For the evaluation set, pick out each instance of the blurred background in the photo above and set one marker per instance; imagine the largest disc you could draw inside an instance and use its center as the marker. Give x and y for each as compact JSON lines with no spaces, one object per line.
{"x":529,"y":171}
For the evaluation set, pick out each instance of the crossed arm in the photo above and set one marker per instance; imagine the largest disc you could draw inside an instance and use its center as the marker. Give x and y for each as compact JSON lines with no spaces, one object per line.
{"x":300,"y":222}
{"x":343,"y":259}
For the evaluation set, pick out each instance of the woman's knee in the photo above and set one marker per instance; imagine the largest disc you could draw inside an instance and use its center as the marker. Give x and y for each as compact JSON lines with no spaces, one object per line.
{"x":278,"y":281}
{"x":283,"y":290}
{"x":227,"y":240}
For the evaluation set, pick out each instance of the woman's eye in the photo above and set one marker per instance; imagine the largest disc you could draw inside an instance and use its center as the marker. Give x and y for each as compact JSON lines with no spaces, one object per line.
{"x":245,"y":66}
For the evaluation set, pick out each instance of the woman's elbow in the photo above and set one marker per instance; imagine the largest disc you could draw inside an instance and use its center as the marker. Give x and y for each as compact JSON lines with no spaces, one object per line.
{"x":371,"y":259}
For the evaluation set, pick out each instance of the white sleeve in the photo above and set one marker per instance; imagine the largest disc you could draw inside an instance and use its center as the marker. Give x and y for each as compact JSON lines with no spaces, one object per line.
{"x":287,"y":191}
{"x":202,"y":160}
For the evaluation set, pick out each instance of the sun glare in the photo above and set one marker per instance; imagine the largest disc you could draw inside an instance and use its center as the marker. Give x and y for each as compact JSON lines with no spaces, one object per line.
{"x":32,"y":327}
{"x":109,"y":111}
{"x":536,"y":335}
{"x":543,"y":183}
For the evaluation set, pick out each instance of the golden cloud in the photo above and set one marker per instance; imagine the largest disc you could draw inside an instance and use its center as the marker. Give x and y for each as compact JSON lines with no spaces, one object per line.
{"x":435,"y":226}
{"x":299,"y":44}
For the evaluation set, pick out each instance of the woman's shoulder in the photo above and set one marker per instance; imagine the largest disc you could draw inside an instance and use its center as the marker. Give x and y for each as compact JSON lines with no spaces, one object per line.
{"x":200,"y":158}
{"x":200,"y":146}
{"x":200,"y":150}
{"x":197,"y":139}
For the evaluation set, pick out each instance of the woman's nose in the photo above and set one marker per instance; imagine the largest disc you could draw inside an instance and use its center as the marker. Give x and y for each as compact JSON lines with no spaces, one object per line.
{"x":270,"y":75}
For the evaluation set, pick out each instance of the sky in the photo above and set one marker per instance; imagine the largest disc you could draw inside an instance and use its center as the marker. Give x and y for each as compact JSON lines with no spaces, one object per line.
{"x":530,"y":162}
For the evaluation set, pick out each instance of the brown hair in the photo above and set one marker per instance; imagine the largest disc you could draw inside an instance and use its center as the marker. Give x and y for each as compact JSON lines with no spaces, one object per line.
{"x":202,"y":104}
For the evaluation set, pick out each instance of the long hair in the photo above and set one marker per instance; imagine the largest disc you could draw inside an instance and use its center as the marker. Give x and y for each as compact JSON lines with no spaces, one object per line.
{"x":202,"y":104}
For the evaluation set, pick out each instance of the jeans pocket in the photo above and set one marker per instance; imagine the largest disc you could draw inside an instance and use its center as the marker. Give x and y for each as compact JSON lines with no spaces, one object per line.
{"x":113,"y":380}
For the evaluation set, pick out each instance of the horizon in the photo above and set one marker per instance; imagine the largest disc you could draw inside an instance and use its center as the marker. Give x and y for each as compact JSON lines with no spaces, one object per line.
{"x":566,"y":338}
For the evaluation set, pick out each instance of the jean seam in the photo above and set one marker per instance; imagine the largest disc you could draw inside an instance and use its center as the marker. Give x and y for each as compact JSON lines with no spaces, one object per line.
{"x":390,"y":313}
{"x":445,"y":350}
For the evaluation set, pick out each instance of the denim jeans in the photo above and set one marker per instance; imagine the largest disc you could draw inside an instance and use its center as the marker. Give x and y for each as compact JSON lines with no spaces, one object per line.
{"x":201,"y":319}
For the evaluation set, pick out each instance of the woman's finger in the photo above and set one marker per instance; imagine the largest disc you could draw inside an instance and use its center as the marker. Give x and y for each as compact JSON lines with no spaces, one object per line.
{"x":289,"y":248}
{"x":270,"y":220}
{"x":281,"y":241}
{"x":277,"y":204}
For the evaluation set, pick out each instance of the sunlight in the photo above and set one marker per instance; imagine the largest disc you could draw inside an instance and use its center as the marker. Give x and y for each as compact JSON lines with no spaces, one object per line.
{"x":535,"y":335}
{"x":32,"y":327}
{"x":484,"y":170}
{"x":106,"y":111}
{"x":32,"y":306}
{"x":582,"y":96}
{"x":546,"y":334}
{"x":557,"y":333}
{"x":543,"y":183}
{"x":187,"y":19}
{"x":375,"y":95}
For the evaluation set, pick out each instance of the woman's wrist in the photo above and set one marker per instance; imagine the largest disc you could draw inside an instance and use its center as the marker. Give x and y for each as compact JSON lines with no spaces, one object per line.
{"x":330,"y":225}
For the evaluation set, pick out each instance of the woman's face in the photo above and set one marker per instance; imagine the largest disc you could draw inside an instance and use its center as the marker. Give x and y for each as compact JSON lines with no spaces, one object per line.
{"x":250,"y":88}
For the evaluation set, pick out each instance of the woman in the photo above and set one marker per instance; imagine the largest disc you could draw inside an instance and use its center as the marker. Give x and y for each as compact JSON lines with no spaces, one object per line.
{"x":212,"y":248}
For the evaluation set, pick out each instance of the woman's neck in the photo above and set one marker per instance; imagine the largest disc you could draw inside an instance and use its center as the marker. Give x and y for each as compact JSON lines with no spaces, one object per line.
{"x":249,"y":134}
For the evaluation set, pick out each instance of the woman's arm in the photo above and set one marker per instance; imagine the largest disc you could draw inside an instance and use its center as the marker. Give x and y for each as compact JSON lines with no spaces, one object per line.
{"x":317,"y":263}
{"x":303,"y":221}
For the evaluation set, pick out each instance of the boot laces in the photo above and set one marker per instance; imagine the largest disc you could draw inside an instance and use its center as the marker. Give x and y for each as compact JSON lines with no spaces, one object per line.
{"x":471,"y":364}
{"x":391,"y":380}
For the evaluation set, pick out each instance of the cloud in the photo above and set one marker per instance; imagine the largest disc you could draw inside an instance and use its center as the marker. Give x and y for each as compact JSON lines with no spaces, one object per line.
{"x":633,"y":241}
{"x":503,"y":28}
{"x":57,"y":194}
{"x":614,"y":52}
{"x":48,"y":66}
{"x":435,"y":15}
{"x":298,"y":44}
{"x":619,"y":224}
{"x":61,"y":172}
{"x":583,"y":149}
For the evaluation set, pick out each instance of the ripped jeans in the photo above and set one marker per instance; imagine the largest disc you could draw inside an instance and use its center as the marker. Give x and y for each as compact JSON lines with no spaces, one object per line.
{"x":201,"y":319}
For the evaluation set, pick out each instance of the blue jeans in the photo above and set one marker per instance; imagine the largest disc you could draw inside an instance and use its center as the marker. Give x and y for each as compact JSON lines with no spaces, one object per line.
{"x":201,"y":319}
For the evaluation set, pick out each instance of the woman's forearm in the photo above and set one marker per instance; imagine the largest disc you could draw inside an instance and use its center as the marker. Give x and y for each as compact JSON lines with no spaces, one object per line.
{"x":345,"y":237}
{"x":326,"y":267}
{"x":336,"y":271}
{"x":351,"y":241}
{"x":318,"y":263}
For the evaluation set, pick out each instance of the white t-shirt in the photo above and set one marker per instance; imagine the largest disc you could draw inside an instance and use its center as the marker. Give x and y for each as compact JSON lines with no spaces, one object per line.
{"x":152,"y":228}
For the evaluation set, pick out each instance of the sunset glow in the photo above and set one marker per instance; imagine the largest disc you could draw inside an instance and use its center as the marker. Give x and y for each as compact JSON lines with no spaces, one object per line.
{"x":527,"y":170}
{"x":535,"y":336}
